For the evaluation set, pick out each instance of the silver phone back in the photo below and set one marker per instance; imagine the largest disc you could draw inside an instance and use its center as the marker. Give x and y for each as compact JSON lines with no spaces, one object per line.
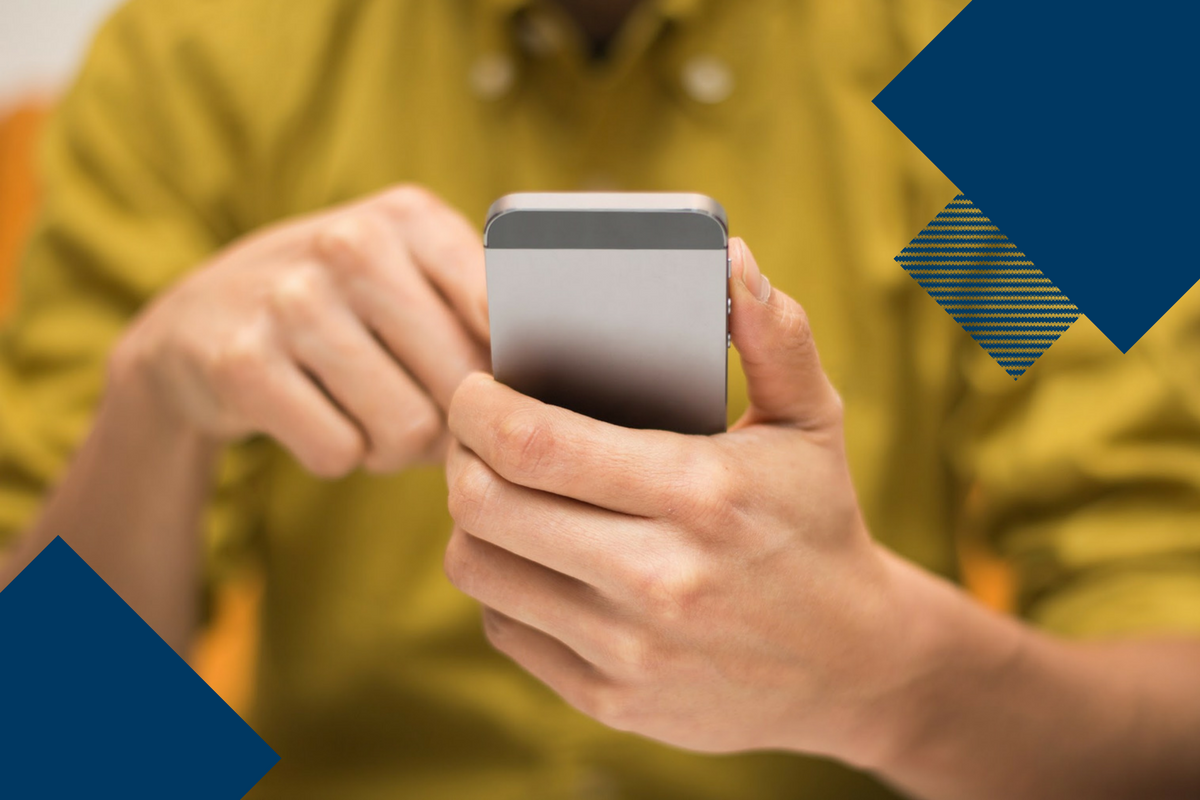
{"x":612,"y":305}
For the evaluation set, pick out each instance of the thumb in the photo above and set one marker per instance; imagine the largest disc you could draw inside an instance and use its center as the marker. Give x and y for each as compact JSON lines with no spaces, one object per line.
{"x":772,"y":336}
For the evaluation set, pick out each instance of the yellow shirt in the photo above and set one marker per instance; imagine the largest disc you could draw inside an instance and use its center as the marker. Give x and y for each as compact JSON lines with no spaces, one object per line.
{"x":197,"y":121}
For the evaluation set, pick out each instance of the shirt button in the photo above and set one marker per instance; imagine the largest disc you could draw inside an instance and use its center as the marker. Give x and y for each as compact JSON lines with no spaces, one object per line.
{"x":492,"y":76}
{"x":707,"y":79}
{"x":539,"y":35}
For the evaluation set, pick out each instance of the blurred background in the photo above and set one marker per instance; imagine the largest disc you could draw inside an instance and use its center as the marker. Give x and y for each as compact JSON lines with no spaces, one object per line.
{"x":42,"y":43}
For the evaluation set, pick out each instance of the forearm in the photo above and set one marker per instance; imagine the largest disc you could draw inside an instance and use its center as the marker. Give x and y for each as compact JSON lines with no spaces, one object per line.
{"x":1003,"y":711}
{"x":130,"y":505}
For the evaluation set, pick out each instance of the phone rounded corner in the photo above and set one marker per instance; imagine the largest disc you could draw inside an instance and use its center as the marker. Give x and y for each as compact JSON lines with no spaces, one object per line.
{"x":706,"y":206}
{"x":502,"y":206}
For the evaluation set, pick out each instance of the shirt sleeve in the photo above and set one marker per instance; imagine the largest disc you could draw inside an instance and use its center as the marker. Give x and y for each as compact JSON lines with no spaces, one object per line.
{"x":130,"y":166}
{"x":1085,"y":476}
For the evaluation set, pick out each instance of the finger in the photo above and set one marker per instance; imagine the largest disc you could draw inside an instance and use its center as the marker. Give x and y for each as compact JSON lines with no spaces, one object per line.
{"x":400,"y":421}
{"x":447,"y":249}
{"x":286,"y":405}
{"x":394,"y":299}
{"x":771,"y":333}
{"x":553,"y":603}
{"x":544,"y":447}
{"x":545,"y":658}
{"x":576,"y":539}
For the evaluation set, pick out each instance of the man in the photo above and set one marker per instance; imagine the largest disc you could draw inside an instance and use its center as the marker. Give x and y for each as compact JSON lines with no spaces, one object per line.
{"x":206,"y":239}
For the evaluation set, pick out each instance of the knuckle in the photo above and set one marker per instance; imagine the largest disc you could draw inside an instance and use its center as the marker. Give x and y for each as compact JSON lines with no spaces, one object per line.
{"x":470,"y":494}
{"x":710,"y":499}
{"x":457,"y":243}
{"x":524,"y":443}
{"x":348,"y":243}
{"x":672,"y":591}
{"x":410,"y":200}
{"x":607,"y":703}
{"x":595,"y":700}
{"x":297,"y":297}
{"x":239,"y":357}
{"x":632,"y":650}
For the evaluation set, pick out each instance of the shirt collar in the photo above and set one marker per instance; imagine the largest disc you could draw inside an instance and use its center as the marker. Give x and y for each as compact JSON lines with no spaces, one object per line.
{"x":494,"y":19}
{"x":503,"y":45}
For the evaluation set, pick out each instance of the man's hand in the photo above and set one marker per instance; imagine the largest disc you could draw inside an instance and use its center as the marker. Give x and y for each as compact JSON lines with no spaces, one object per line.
{"x":715,"y":593}
{"x":343,"y":335}
{"x":723,"y":594}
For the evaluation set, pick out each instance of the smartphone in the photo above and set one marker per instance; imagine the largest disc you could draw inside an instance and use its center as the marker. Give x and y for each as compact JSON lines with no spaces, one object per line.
{"x":614,"y":305}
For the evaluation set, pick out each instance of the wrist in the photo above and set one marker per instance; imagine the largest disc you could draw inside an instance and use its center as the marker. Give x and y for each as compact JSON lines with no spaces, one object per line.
{"x":943,"y":651}
{"x":135,"y":402}
{"x":951,"y":654}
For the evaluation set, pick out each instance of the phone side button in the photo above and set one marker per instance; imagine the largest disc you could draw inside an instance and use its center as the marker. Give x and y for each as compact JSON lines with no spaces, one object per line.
{"x":728,"y":340}
{"x":728,"y":267}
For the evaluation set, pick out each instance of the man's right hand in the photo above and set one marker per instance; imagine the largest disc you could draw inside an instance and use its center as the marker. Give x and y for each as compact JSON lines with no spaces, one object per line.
{"x":342,"y":335}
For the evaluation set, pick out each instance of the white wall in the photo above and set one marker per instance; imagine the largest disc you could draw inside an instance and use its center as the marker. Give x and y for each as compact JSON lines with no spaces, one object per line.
{"x":42,"y":42}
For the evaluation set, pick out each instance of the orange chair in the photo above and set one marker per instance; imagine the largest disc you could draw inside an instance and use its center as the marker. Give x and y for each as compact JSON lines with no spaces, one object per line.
{"x":18,"y":188}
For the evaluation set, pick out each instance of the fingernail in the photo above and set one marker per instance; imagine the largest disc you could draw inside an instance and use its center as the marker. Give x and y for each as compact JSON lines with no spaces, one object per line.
{"x":752,"y":277}
{"x":764,"y":290}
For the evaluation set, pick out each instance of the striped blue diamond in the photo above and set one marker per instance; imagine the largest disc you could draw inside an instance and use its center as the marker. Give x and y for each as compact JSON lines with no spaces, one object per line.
{"x":988,"y":286}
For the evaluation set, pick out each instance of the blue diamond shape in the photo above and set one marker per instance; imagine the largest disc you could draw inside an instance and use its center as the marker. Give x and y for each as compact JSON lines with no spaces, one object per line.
{"x":1073,"y":125}
{"x":97,"y":705}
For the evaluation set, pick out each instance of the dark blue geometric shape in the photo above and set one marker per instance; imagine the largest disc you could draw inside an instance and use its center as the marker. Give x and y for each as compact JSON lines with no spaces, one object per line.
{"x":96,"y":705}
{"x":1073,"y":126}
{"x":988,"y":286}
